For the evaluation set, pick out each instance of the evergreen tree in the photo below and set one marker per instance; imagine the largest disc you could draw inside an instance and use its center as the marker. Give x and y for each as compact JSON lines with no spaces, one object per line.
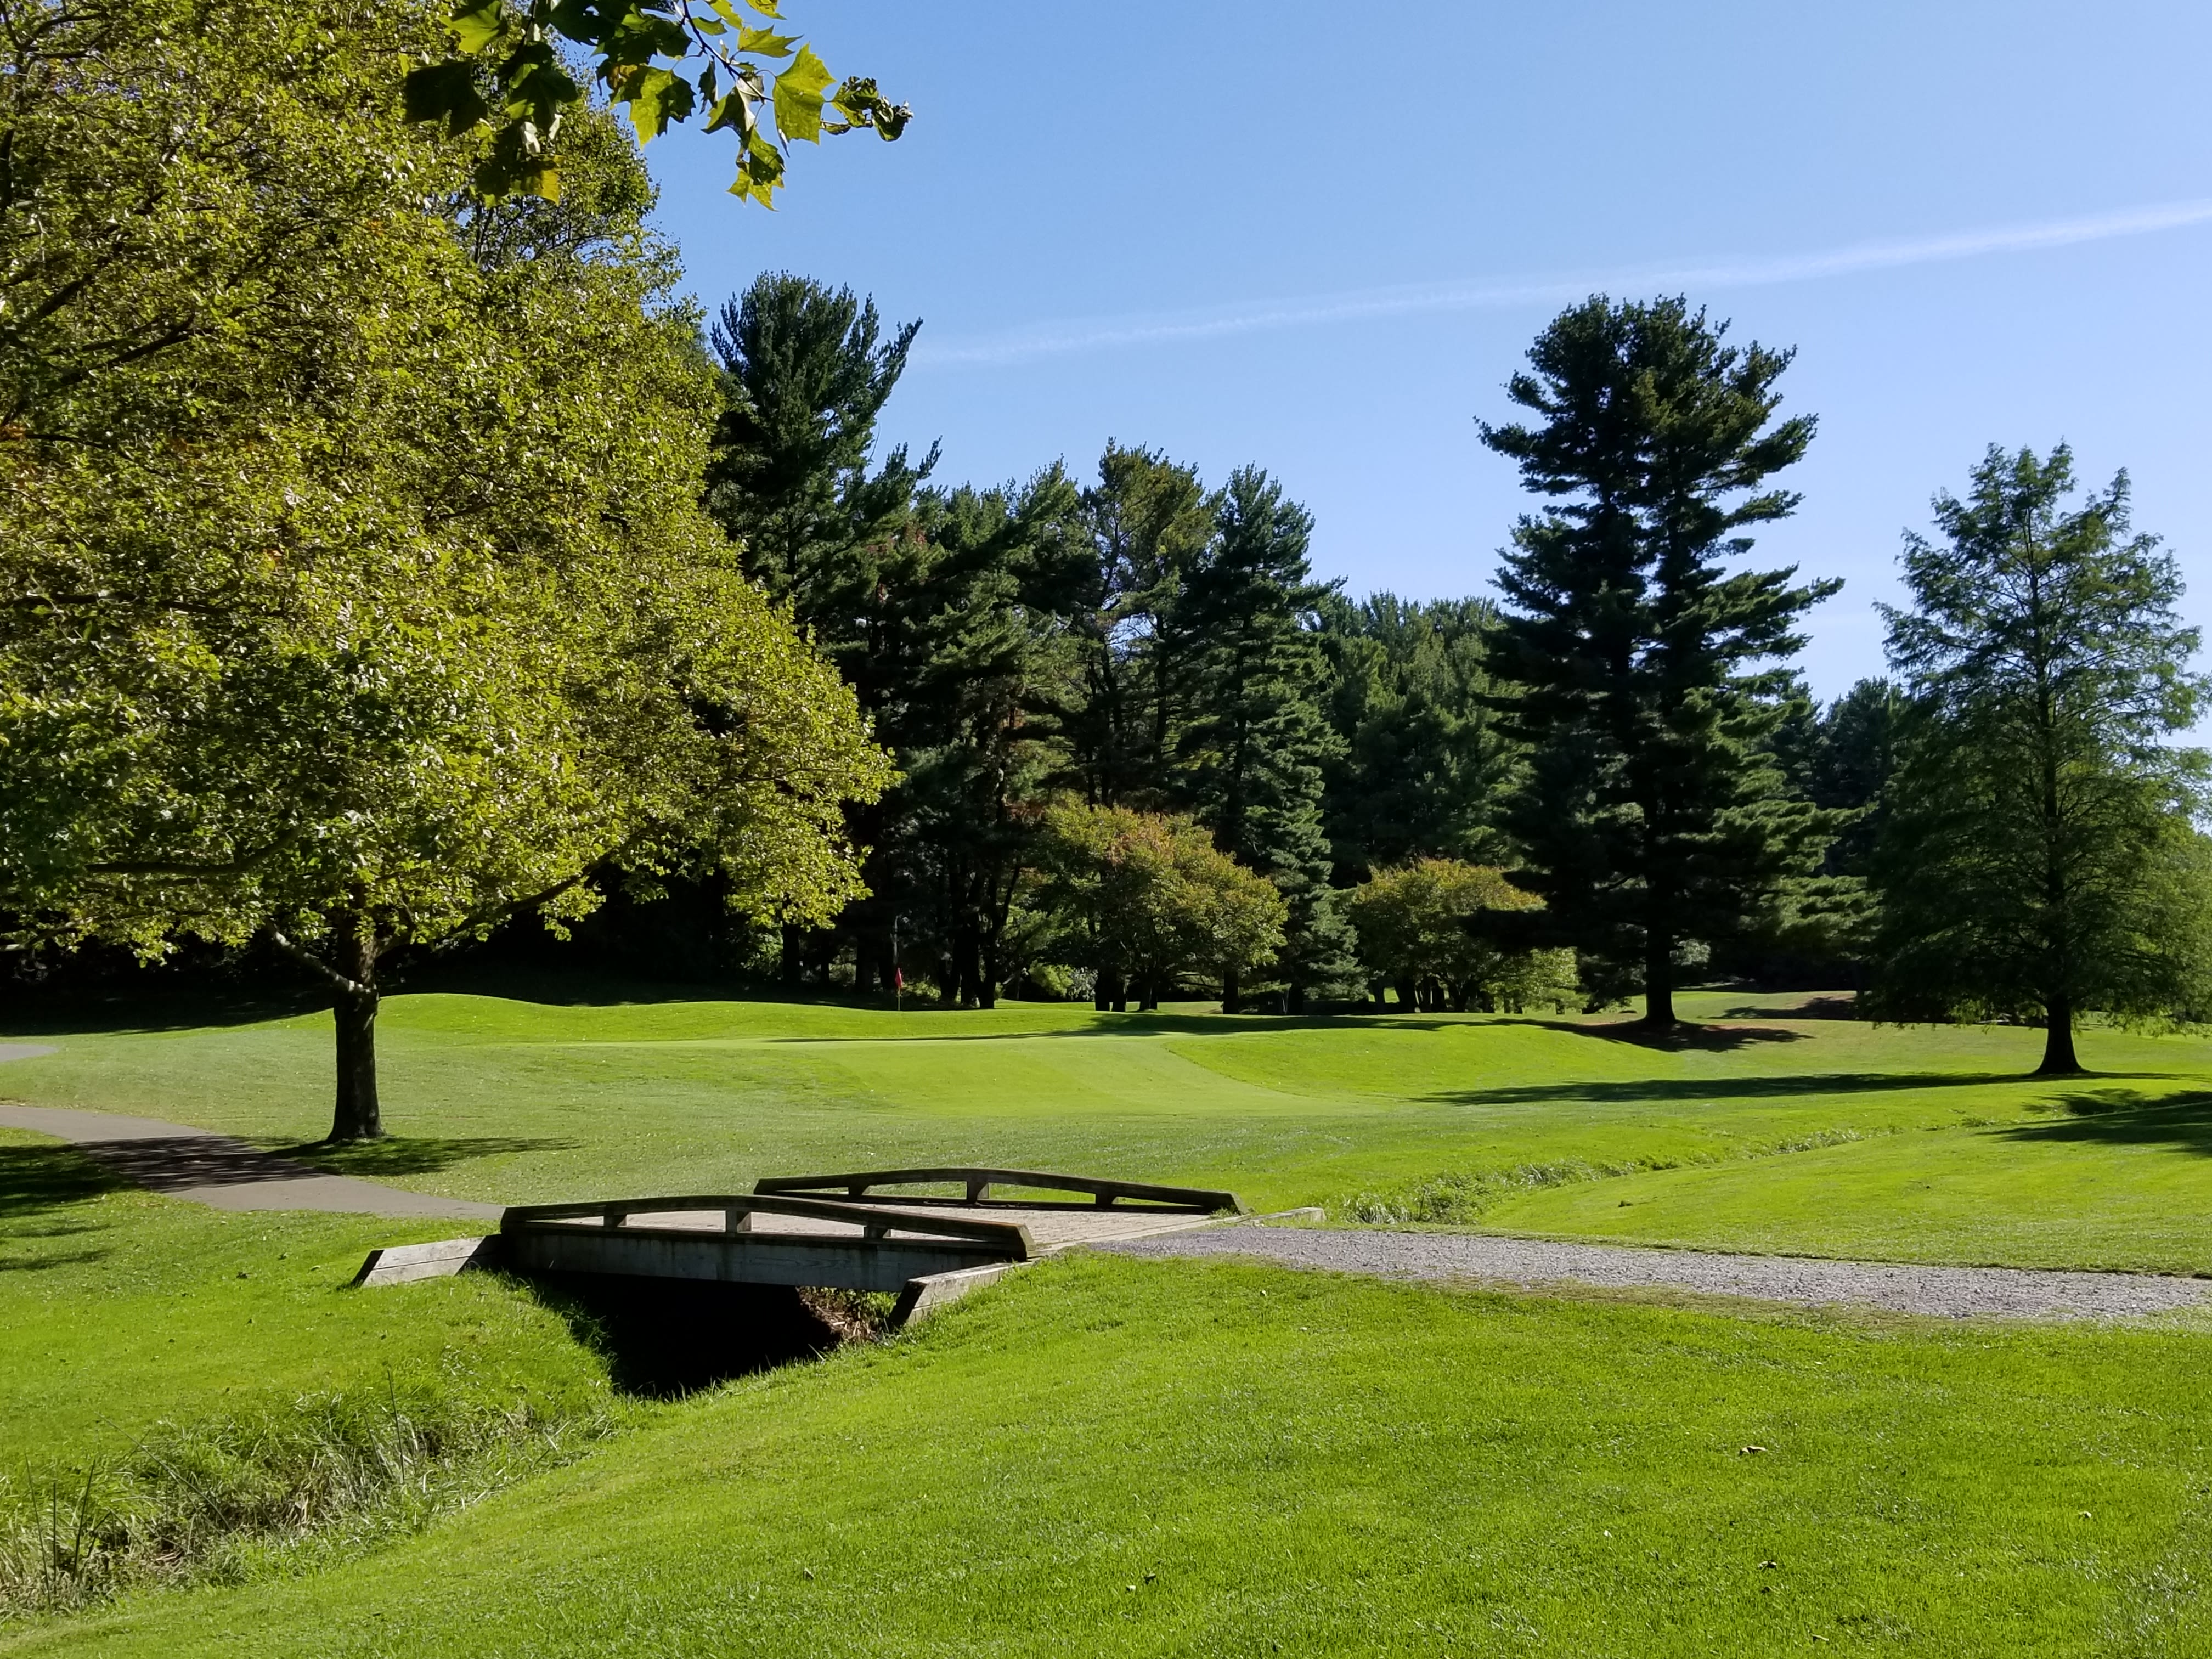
{"x":1649,"y":811}
{"x":1423,"y":760}
{"x":1149,"y":520}
{"x":975,"y":726}
{"x":2040,"y":856}
{"x":1251,"y":753}
{"x":1854,"y":754}
{"x":805,"y":373}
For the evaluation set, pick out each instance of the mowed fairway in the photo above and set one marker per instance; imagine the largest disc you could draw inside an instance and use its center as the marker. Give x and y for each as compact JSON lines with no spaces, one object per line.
{"x":1772,"y":1133}
{"x":1102,"y":1455}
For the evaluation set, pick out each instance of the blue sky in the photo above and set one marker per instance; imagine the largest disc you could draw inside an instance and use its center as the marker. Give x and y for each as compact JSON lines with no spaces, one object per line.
{"x":1320,"y":240}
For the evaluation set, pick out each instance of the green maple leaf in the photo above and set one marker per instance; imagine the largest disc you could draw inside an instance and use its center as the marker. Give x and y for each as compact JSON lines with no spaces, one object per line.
{"x":477,"y":23}
{"x":800,"y":91}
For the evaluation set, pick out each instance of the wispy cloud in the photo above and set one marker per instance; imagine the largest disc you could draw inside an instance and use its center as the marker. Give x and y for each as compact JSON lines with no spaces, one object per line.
{"x":1104,"y":333}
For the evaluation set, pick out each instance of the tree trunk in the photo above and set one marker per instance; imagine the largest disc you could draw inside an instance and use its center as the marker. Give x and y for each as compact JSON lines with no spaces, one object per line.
{"x":992,"y":968}
{"x":2058,"y":1058}
{"x":356,"y":1116}
{"x":1659,"y":986}
{"x":793,"y":963}
{"x":1229,"y":990}
{"x":1407,"y":998}
{"x":1294,"y":1000}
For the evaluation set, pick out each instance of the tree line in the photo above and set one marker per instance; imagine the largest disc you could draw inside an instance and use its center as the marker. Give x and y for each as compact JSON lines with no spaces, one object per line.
{"x":1610,"y":783}
{"x":388,"y":560}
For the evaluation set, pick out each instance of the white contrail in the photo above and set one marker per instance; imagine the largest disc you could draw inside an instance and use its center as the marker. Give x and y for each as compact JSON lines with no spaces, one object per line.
{"x":1097,"y":334}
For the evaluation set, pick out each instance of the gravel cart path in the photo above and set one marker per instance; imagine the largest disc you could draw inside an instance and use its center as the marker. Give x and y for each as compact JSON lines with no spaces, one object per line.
{"x":1947,"y":1292}
{"x":214,"y":1169}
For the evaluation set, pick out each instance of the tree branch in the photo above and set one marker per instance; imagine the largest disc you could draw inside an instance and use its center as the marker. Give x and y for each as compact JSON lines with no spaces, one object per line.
{"x":308,"y":959}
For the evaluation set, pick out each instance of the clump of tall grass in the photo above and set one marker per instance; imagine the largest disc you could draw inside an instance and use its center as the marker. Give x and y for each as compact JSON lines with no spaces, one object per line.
{"x":288,"y":1484}
{"x":1461,"y":1200}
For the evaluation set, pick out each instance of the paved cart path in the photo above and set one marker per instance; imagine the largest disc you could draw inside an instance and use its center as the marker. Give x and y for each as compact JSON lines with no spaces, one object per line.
{"x":1950,"y":1292}
{"x":182,"y":1162}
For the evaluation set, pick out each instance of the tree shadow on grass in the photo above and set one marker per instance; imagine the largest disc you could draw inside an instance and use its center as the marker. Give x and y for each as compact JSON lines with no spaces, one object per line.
{"x":415,"y":1155}
{"x":41,"y":1263}
{"x":1843,"y":1006}
{"x":1707,"y":1039}
{"x":1733,"y":1088}
{"x":36,"y":1180}
{"x":2124,"y":1117}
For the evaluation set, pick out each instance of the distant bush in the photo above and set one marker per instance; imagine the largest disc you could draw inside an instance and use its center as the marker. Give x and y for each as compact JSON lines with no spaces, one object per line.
{"x":1418,"y":930}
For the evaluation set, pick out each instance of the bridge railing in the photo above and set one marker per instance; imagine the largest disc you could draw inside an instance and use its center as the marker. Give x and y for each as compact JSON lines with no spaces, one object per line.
{"x":859,"y":1187}
{"x":739,"y":1209}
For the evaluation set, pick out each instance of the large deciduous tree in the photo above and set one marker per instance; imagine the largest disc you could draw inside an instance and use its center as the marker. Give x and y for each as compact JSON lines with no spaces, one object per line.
{"x":2038,"y":856}
{"x":1147,"y":898}
{"x":355,"y":591}
{"x":1418,"y":931}
{"x":1651,"y":813}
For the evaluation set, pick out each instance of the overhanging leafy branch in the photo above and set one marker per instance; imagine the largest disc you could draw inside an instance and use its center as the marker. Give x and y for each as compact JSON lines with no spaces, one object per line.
{"x":665,"y":60}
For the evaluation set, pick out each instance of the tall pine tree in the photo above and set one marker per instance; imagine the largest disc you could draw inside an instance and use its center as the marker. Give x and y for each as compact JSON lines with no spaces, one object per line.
{"x":1251,"y":756}
{"x":805,"y":371}
{"x":1149,"y":520}
{"x":976,"y":728}
{"x":2038,"y":856}
{"x":1651,"y":813}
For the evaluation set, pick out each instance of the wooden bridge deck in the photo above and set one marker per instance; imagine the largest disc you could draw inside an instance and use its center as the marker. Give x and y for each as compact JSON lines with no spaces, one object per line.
{"x":845,"y":1231}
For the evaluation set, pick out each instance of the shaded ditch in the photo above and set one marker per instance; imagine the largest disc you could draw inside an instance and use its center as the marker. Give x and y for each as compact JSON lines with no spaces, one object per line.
{"x":665,"y":1338}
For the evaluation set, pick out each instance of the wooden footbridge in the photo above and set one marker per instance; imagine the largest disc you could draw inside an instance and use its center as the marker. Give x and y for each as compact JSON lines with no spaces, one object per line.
{"x":872,"y":1231}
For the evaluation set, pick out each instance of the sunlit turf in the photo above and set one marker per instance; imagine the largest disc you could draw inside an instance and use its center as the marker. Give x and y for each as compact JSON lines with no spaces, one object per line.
{"x":120,"y":1310}
{"x":1774,"y":1132}
{"x":1111,"y":1458}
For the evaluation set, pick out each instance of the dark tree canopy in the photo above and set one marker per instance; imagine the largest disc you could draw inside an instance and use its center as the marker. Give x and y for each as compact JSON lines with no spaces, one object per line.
{"x":2039,"y":856}
{"x":1422,"y":760}
{"x":1149,"y":520}
{"x":1251,"y":751}
{"x":1650,"y":813}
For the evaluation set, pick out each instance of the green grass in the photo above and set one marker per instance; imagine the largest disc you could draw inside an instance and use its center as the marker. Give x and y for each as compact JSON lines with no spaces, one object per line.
{"x":1111,"y":1458}
{"x":120,"y":1311}
{"x":1824,"y":1137}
